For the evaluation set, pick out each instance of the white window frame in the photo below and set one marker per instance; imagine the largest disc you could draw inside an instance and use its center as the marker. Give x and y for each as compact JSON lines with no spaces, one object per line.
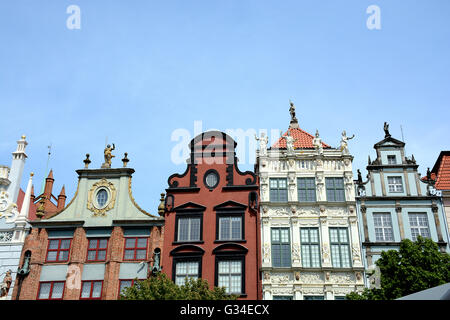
{"x":395,"y":184}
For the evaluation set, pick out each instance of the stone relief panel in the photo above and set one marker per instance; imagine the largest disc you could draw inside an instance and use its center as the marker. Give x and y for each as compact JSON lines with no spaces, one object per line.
{"x":281,"y":278}
{"x":311,"y":277}
{"x":342,"y":278}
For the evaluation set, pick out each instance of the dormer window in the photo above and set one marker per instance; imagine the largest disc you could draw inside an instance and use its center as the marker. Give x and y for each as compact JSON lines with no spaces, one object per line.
{"x":395,"y":184}
{"x":391,"y":159}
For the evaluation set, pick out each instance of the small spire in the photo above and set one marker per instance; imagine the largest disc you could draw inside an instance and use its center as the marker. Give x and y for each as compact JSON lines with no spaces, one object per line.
{"x":63,"y":192}
{"x":161,"y":207}
{"x":26,"y":199}
{"x":50,"y":174}
{"x":125,"y":159}
{"x":86,"y":161}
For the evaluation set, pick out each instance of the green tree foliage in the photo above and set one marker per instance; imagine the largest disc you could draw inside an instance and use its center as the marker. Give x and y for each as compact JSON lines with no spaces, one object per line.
{"x":416,"y":266}
{"x":160,"y":287}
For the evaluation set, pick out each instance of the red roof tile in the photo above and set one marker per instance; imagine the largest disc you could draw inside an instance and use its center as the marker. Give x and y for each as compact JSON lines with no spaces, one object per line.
{"x":443,"y":174}
{"x":304,"y":140}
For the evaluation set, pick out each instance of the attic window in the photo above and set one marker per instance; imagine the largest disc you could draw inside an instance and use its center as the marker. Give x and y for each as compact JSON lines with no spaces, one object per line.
{"x":102,"y":197}
{"x":392,"y":159}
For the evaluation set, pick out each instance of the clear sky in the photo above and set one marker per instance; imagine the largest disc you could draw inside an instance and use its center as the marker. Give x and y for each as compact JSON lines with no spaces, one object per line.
{"x":136,"y":71}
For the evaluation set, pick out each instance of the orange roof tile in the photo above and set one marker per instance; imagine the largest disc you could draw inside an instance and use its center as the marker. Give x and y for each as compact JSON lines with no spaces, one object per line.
{"x":304,"y":140}
{"x":443,"y":174}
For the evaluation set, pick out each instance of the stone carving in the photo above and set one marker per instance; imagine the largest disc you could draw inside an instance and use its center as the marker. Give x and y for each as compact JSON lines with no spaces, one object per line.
{"x":356,"y":254}
{"x":105,"y":185}
{"x":263,"y":140}
{"x":342,"y":277}
{"x":317,"y":290}
{"x":344,"y":142}
{"x":266,"y":276}
{"x":6,"y":284}
{"x":386,"y":130}
{"x":326,"y":253}
{"x":311,"y":277}
{"x":108,"y":156}
{"x":6,"y":236}
{"x":266,"y":252}
{"x":296,"y":252}
{"x":317,"y":143}
{"x":8,"y":209}
{"x":281,"y":278}
{"x":289,"y":142}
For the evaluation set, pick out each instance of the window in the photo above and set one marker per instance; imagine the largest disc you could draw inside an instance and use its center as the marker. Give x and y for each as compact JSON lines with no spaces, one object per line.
{"x":91,"y":289}
{"x":395,"y":184}
{"x":125,"y":284}
{"x":135,"y":248}
{"x":97,"y":249}
{"x":230,"y":227}
{"x":340,"y":298}
{"x":186,"y":269}
{"x":306,"y":189}
{"x":314,"y":298}
{"x":391,"y":159}
{"x":340,"y":247}
{"x":309,"y":238}
{"x":189,"y":228}
{"x":383,"y":227}
{"x":278,"y":190}
{"x":281,"y":247}
{"x":58,"y":250}
{"x":102,"y":198}
{"x":230,"y":275}
{"x":211,"y":179}
{"x":419,"y":225}
{"x":282,"y":298}
{"x":335,"y":189}
{"x":51,"y":290}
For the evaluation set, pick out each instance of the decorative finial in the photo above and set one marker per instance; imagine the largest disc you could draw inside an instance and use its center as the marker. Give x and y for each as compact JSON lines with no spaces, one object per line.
{"x":125,"y":160}
{"x":86,"y":161}
{"x":40,"y":211}
{"x":31,"y":174}
{"x":161,"y":207}
{"x":23,"y":137}
{"x":294,"y":122}
{"x":108,"y":156}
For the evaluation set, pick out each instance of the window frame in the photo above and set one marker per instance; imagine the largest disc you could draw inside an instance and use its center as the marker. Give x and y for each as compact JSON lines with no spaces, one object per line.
{"x":309,"y":243}
{"x":97,"y":249}
{"x":91,"y":290}
{"x":395,"y":185}
{"x":383,"y":227}
{"x":132,"y":283}
{"x":230,"y":214}
{"x":277,"y":190}
{"x":281,"y":244}
{"x":58,"y":250}
{"x":222,"y":257}
{"x":135,"y":248}
{"x":306,"y":188}
{"x":341,"y":244}
{"x":391,"y":157}
{"x":419,"y":226}
{"x":192,"y":257}
{"x":52,"y":283}
{"x":336,"y":190}
{"x":188,"y":215}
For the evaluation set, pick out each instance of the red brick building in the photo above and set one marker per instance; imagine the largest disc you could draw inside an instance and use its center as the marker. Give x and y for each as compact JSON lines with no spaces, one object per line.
{"x":211,"y":219}
{"x":95,"y":246}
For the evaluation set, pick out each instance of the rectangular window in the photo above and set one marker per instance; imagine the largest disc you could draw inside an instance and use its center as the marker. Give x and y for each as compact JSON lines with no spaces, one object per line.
{"x":282,"y":298}
{"x":340,"y":248}
{"x":278,"y":190}
{"x":58,"y":250}
{"x":383,"y":227}
{"x":135,"y":248}
{"x":395,"y":184}
{"x":281,"y":247}
{"x":189,"y":228}
{"x":335,"y":189}
{"x":97,"y":249}
{"x":91,"y":290}
{"x":309,"y":238}
{"x":306,"y":189}
{"x":51,"y":290}
{"x":230,"y":227}
{"x":419,"y":225}
{"x":186,"y":269}
{"x":314,"y":298}
{"x":230,"y":275}
{"x":391,"y":159}
{"x":125,"y":284}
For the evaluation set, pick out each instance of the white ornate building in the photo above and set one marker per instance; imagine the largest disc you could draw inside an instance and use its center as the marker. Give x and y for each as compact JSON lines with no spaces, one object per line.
{"x":13,"y":224}
{"x":309,"y":227}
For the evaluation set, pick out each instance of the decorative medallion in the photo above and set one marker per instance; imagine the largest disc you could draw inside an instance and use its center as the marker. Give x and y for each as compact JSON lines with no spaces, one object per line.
{"x":7,"y":208}
{"x":101,"y":197}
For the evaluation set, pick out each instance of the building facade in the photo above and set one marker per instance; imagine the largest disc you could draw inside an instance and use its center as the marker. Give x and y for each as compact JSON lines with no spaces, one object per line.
{"x":95,"y":246}
{"x":211,"y":219}
{"x":14,"y":212}
{"x":395,"y":204}
{"x":309,"y":228}
{"x":439,"y":177}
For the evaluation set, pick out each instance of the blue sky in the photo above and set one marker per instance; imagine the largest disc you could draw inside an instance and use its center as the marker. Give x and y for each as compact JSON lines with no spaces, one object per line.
{"x":138,"y":70}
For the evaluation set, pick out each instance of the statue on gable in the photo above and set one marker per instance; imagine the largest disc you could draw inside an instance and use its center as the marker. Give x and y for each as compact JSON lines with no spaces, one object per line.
{"x":262,"y":143}
{"x":108,"y":156}
{"x":289,"y":142}
{"x":6,"y":284}
{"x":386,"y":130}
{"x":317,"y":143}
{"x":344,"y":142}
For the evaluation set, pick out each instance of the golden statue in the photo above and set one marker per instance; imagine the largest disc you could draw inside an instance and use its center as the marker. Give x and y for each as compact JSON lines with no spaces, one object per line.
{"x":109,"y":155}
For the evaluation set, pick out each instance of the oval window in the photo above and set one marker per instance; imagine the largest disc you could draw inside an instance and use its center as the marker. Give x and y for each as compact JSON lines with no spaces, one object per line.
{"x":102,"y":197}
{"x":212,"y":179}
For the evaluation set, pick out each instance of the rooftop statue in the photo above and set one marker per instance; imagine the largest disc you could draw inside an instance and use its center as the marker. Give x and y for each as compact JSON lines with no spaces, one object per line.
{"x":386,"y":130}
{"x":108,"y":155}
{"x":262,"y":143}
{"x":344,"y":142}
